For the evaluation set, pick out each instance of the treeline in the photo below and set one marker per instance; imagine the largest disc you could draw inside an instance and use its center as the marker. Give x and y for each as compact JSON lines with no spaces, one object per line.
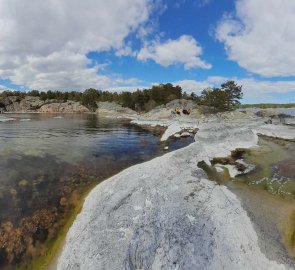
{"x":268,"y":105}
{"x":140,"y":100}
{"x":221,"y":99}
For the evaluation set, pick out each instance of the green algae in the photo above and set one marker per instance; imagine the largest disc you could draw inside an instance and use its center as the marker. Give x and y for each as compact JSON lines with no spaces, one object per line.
{"x":266,"y":175}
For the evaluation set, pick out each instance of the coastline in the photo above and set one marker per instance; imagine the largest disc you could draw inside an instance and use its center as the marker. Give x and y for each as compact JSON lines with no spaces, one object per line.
{"x":200,"y":150}
{"x":217,"y":136}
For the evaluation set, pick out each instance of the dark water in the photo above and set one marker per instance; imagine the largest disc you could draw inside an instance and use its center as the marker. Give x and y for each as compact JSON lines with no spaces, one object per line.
{"x":47,"y":162}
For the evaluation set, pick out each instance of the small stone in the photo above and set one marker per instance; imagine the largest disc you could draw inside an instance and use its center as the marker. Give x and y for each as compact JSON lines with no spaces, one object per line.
{"x":166,"y":148}
{"x":185,"y":134}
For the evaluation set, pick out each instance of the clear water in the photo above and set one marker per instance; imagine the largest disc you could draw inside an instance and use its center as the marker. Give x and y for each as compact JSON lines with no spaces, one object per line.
{"x":41,"y":154}
{"x":47,"y":163}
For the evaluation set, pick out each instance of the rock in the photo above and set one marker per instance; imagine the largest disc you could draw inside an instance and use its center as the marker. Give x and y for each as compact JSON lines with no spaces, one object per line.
{"x":181,"y":103}
{"x":276,"y":131}
{"x":243,"y":167}
{"x":267,"y":113}
{"x":114,"y":109}
{"x":177,"y":135}
{"x":219,"y":168}
{"x":35,"y":104}
{"x":19,"y":104}
{"x":65,"y":107}
{"x":185,"y":134}
{"x":166,"y":214}
{"x":290,"y":120}
{"x":166,"y":148}
{"x":30,"y":103}
{"x":168,"y":111}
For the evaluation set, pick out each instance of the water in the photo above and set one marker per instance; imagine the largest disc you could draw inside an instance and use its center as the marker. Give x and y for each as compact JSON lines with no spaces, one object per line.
{"x":48,"y":162}
{"x":287,"y":111}
{"x":267,"y":194}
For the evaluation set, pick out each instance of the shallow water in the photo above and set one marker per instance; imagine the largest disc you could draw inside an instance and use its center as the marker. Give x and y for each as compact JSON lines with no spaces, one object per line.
{"x":275,"y":167}
{"x":269,"y":197}
{"x":47,"y":162}
{"x":267,"y":194}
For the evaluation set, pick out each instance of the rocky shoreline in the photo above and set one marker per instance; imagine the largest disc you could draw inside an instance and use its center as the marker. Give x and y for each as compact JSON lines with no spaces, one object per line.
{"x":167,"y":214}
{"x":31,"y":104}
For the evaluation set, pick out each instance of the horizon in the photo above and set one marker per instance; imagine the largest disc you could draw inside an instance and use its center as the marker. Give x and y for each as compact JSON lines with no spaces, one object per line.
{"x":139,"y":43}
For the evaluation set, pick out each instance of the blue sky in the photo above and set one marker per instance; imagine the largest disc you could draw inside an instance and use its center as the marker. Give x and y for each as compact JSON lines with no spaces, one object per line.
{"x":124,"y":45}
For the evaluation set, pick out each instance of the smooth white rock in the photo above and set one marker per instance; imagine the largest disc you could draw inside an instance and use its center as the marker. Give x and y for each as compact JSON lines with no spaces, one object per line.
{"x":182,"y":220}
{"x":277,"y":131}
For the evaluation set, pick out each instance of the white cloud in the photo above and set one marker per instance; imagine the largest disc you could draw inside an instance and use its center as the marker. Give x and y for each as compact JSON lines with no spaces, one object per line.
{"x":4,"y":88}
{"x":184,"y":50}
{"x":254,"y":90}
{"x":190,"y":86}
{"x":261,"y":36}
{"x":43,"y":44}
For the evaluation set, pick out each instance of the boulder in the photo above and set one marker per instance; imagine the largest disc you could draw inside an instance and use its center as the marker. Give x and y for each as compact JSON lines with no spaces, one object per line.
{"x":65,"y":107}
{"x":185,"y":134}
{"x":112,"y":108}
{"x":267,"y":113}
{"x":19,"y":104}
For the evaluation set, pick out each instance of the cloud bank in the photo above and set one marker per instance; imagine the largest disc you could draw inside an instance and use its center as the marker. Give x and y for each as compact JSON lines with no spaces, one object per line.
{"x":260,"y":36}
{"x":43,"y":44}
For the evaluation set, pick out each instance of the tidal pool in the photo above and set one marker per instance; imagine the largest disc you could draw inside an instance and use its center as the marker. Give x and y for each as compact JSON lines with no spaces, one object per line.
{"x":47,"y":164}
{"x":267,"y":193}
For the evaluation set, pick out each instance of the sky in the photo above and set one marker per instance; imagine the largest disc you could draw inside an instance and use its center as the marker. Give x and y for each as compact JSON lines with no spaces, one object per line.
{"x":129,"y":44}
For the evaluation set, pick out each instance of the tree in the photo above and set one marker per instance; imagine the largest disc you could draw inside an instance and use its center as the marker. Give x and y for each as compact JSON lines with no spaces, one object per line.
{"x":233,"y":94}
{"x":214,"y":97}
{"x":89,"y":98}
{"x":224,"y":99}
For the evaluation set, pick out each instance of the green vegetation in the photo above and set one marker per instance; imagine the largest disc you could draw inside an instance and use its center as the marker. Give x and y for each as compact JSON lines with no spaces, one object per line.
{"x":221,"y":99}
{"x":140,"y":100}
{"x":225,"y":98}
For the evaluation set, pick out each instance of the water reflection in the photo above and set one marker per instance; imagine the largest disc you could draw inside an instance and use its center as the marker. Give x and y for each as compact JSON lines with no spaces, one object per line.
{"x":48,"y":162}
